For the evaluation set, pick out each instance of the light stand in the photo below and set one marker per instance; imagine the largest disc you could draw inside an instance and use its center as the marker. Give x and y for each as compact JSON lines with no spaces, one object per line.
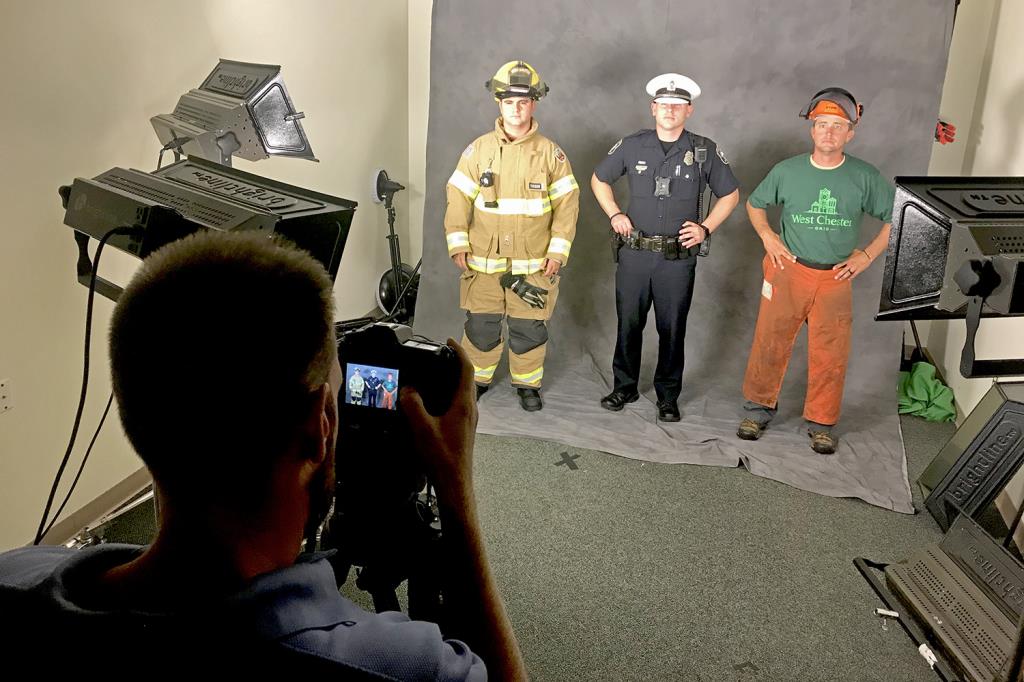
{"x":399,"y":283}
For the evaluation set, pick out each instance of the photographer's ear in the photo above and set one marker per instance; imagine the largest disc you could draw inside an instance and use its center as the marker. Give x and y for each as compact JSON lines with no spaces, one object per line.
{"x":320,"y":424}
{"x":329,"y":429}
{"x":330,"y":410}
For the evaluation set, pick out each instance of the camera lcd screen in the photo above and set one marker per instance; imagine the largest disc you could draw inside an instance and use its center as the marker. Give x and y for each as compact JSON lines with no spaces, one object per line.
{"x":371,"y":386}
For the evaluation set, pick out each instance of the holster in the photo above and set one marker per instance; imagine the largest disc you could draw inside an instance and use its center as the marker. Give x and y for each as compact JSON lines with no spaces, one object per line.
{"x":490,"y":196}
{"x":672,"y":249}
{"x":705,"y":246}
{"x":616,"y":244}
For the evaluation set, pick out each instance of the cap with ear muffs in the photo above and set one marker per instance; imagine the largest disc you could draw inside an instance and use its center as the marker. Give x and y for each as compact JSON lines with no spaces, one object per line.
{"x":517,"y":79}
{"x":834,"y":102}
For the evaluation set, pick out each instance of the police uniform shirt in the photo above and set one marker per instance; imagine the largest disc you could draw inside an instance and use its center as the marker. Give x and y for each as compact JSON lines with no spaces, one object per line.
{"x":641,"y":156}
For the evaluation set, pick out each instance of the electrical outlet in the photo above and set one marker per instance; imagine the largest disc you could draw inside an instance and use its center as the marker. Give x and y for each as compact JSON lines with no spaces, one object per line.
{"x":5,"y":396}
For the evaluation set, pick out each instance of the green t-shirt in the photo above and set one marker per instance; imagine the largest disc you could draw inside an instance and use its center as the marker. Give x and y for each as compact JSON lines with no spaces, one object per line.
{"x":822,"y":208}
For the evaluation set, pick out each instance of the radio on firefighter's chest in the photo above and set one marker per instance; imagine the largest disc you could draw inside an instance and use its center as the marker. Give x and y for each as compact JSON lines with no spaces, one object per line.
{"x":487,"y":190}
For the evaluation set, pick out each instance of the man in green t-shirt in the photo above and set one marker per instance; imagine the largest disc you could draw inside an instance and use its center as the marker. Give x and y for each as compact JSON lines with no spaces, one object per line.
{"x":809,"y":266}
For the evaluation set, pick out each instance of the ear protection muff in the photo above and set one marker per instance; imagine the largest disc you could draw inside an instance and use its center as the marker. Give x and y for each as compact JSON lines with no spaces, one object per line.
{"x":844,"y":98}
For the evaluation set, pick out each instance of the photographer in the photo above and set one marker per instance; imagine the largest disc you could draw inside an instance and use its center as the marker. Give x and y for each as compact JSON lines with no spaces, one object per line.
{"x":241,"y":446}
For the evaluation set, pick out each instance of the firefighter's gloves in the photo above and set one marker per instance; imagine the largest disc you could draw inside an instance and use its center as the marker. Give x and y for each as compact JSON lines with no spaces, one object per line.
{"x":535,"y":297}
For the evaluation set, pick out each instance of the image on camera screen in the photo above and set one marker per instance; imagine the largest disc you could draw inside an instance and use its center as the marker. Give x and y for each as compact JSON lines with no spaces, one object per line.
{"x":371,"y":386}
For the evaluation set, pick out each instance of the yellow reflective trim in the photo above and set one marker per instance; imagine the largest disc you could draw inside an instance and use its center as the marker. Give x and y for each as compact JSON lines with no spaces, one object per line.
{"x":532,"y":378}
{"x":527,"y":266}
{"x":528,"y":207}
{"x":487,"y":265}
{"x":559,"y":245}
{"x":457,"y":239}
{"x":562,"y":187}
{"x":464,"y":184}
{"x":484,"y":372}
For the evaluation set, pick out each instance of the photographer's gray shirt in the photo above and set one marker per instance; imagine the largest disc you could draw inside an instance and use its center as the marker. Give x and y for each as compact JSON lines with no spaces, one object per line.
{"x":298,"y":609}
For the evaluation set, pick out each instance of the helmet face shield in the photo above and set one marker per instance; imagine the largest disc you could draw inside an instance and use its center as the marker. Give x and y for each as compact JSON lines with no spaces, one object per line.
{"x":841,"y":98}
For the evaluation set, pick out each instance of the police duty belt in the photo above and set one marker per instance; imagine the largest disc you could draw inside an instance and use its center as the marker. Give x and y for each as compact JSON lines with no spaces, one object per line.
{"x":667,"y":245}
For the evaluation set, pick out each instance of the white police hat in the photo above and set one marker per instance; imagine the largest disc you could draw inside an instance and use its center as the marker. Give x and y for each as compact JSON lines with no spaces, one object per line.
{"x":673,"y":88}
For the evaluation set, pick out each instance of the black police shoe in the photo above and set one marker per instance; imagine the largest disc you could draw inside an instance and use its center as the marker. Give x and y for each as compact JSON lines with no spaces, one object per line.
{"x":616,"y":400}
{"x":529,"y":398}
{"x":481,"y":389}
{"x":667,"y":411}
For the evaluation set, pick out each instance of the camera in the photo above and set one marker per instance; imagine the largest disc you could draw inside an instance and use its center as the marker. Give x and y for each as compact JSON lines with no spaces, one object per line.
{"x":376,"y":456}
{"x":383,"y":521}
{"x":380,"y":358}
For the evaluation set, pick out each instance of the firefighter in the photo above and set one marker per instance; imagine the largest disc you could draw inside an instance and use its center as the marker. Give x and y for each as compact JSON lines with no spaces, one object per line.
{"x":510,"y":222}
{"x":356,"y":388}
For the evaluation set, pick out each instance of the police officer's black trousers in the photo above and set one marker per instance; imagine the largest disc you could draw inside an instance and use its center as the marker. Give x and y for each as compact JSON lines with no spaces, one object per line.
{"x":643,"y":278}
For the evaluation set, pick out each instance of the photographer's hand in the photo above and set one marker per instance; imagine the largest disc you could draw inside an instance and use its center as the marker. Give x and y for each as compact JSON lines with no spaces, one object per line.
{"x":445,"y":442}
{"x":476,"y":613}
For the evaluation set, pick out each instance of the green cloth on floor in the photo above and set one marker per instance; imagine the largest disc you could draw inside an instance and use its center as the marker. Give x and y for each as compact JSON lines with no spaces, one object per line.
{"x":922,"y":394}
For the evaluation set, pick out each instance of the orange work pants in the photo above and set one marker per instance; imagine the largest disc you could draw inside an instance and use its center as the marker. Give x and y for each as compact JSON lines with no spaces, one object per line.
{"x":790,"y":297}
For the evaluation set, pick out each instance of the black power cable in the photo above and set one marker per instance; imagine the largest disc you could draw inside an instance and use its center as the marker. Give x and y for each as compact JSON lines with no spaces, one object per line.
{"x":85,"y":378}
{"x":81,"y":467}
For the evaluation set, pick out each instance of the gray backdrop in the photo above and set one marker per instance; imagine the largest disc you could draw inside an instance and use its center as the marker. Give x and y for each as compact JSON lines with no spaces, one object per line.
{"x":758,"y":63}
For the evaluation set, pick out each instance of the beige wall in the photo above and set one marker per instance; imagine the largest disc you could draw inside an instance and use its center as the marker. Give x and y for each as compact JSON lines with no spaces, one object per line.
{"x":419,"y":104}
{"x":81,"y":81}
{"x":985,"y":74}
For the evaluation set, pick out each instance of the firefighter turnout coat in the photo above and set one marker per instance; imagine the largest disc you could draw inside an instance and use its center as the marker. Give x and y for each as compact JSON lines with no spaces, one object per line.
{"x":511,"y":205}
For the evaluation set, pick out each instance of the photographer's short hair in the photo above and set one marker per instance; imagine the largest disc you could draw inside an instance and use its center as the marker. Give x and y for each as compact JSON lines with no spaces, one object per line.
{"x":216,"y":346}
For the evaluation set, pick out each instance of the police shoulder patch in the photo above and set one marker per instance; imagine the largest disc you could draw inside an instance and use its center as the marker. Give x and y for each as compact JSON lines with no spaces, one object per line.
{"x":721,"y":155}
{"x":469,"y":151}
{"x":614,"y":147}
{"x":559,"y":155}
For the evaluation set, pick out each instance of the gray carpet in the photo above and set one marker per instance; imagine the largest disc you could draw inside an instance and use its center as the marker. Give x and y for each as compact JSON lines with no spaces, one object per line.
{"x":629,"y":570}
{"x":870,"y":465}
{"x":620,"y":569}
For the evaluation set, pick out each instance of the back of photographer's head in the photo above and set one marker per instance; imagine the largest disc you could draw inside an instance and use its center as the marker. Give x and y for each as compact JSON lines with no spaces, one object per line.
{"x":218,"y":348}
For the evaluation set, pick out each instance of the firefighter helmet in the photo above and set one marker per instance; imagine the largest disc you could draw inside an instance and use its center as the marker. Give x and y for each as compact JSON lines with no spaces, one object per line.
{"x":517,"y":79}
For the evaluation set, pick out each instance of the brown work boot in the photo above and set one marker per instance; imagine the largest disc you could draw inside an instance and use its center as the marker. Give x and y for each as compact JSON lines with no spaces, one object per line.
{"x":750,"y":429}
{"x":823,"y":442}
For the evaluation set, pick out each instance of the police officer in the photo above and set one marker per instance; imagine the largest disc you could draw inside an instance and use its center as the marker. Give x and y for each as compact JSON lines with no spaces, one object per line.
{"x":373,"y":383}
{"x":660,"y":235}
{"x":510,"y":222}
